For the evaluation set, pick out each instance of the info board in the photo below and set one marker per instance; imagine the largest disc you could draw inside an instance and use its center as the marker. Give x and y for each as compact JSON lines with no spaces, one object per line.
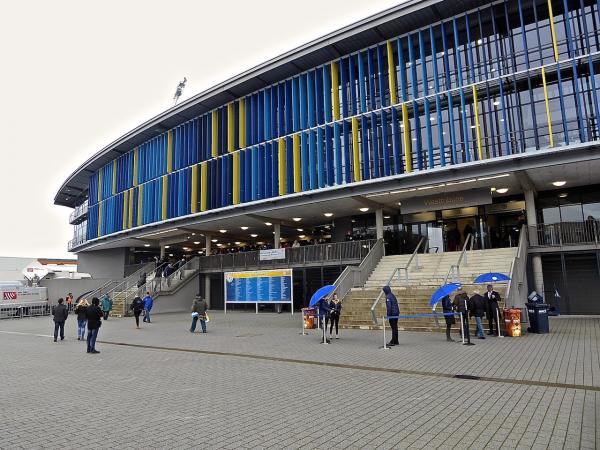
{"x":259,"y":286}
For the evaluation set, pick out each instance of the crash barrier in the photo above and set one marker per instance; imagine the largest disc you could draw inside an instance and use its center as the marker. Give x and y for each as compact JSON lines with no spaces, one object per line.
{"x":416,"y":316}
{"x":24,"y":310}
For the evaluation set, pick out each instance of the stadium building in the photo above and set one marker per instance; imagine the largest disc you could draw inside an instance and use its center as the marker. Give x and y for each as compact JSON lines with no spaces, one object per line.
{"x":440,"y":125}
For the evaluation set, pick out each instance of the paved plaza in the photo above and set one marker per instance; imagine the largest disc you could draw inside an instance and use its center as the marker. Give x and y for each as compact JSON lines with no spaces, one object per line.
{"x":253,"y":381}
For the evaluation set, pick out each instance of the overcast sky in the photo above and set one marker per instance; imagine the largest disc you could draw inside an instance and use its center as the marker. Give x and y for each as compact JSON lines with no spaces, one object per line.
{"x":76,"y":75}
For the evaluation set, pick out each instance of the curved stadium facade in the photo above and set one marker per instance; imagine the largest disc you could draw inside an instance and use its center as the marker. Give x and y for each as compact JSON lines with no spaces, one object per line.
{"x":493,"y":101}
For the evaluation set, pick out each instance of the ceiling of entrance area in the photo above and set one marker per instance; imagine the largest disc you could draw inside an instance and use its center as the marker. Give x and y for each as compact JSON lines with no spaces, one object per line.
{"x":576,"y":174}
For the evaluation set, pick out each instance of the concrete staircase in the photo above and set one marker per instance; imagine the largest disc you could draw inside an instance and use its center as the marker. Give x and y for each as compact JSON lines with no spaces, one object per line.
{"x":413,"y":296}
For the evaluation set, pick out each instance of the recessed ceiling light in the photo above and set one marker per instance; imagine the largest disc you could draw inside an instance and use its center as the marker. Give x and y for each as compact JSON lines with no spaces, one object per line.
{"x":297,"y":219}
{"x":222,"y":231}
{"x":244,"y":228}
{"x":563,"y":195}
{"x":167,"y":246}
{"x":301,"y":236}
{"x":328,"y":214}
{"x":146,"y":245}
{"x":254,"y":235}
{"x":193,"y":234}
{"x":200,"y":252}
{"x":300,"y":229}
{"x":170,"y":254}
{"x":237,"y":242}
{"x":559,"y":183}
{"x":364,"y":209}
{"x":219,"y":245}
{"x":386,"y":217}
{"x":493,"y":189}
{"x":268,"y":224}
{"x":399,"y":203}
{"x":214,"y":240}
{"x":196,"y":242}
{"x":186,"y":248}
{"x":502,"y":190}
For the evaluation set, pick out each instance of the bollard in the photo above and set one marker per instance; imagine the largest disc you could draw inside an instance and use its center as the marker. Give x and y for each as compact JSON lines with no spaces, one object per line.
{"x":498,"y":322}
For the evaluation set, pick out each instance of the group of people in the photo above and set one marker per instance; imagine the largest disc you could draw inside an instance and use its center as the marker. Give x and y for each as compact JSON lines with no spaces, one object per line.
{"x":142,"y":305}
{"x":87,"y":315}
{"x":330,"y":311}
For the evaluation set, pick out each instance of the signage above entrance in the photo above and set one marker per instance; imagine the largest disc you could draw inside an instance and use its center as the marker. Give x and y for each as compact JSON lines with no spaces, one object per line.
{"x":460,"y":199}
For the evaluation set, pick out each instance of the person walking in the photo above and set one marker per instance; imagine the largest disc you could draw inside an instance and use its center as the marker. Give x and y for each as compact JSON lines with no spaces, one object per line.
{"x":137,"y":306}
{"x":107,"y":305}
{"x":81,"y":311}
{"x":448,"y":316}
{"x":69,"y":300}
{"x":199,"y":308}
{"x":148,"y":302}
{"x":335,"y":307}
{"x":392,"y":309}
{"x":142,"y":280}
{"x":492,"y":311}
{"x":477,"y":308}
{"x":461,"y":305}
{"x":61,"y":312}
{"x":94,"y":322}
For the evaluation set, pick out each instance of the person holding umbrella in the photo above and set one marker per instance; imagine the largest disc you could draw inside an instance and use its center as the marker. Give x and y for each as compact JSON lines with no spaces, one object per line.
{"x":392,"y":309}
{"x":324,"y":312}
{"x":461,"y":305}
{"x":448,"y":316}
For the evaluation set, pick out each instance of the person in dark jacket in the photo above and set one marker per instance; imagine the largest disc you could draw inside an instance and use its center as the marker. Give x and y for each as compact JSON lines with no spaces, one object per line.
{"x":449,"y":318}
{"x":199,"y":308}
{"x":94,"y":321}
{"x":477,"y":308}
{"x":80,"y":310}
{"x":137,"y":306}
{"x":492,"y":311}
{"x":335,"y":308}
{"x":392,"y":309}
{"x":461,"y":305}
{"x":142,"y":281}
{"x":61,"y":312}
{"x":324,"y":311}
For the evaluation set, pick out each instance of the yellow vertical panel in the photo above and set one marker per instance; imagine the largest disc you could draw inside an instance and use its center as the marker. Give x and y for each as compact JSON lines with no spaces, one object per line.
{"x":203,"y":186}
{"x":391,"y":73}
{"x":335,"y":90}
{"x":236,"y":178}
{"x":114,"y":180}
{"x":230,"y":128}
{"x":297,"y":175}
{"x":130,"y":212}
{"x":282,"y":172}
{"x":165,"y":196}
{"x":214,"y":133}
{"x":242,"y":117}
{"x":100,"y":185}
{"x":170,"y":151}
{"x":125,"y":209}
{"x":194,"y":196}
{"x":477,"y":125}
{"x":548,"y":114}
{"x":135,"y":166}
{"x":139,"y":208}
{"x":355,"y":150}
{"x":407,"y":143}
{"x":552,"y":31}
{"x":100,"y":219}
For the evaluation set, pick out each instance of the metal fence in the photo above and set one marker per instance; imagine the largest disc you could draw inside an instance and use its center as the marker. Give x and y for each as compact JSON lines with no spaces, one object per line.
{"x":21,"y":310}
{"x":564,"y":234}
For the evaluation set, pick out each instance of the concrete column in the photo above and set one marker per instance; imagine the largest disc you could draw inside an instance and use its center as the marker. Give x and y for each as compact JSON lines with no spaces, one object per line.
{"x":277,"y":235}
{"x":379,"y":223}
{"x":162,"y":250}
{"x":208,"y":249}
{"x":536,"y":260}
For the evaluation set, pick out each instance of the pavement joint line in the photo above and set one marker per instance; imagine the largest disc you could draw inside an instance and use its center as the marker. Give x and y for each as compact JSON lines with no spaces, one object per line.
{"x":546,"y":384}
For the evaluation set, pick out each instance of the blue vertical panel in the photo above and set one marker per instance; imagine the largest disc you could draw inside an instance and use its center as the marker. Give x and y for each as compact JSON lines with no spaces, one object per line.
{"x":371,"y":78}
{"x":361,"y":83}
{"x":337,"y":152}
{"x":402,"y":71}
{"x":344,"y":85}
{"x":310,"y":93}
{"x":438,"y":102}
{"x":492,"y":135}
{"x":289,"y":161}
{"x":261,"y":172}
{"x":274,"y":99}
{"x":375,"y":146}
{"x":327,"y":92}
{"x":312,"y":160}
{"x":396,"y":146}
{"x":364,"y":146}
{"x":296,"y":103}
{"x":347,"y":158}
{"x":329,"y":158}
{"x":413,"y":81}
{"x":319,"y":100}
{"x":253,"y":180}
{"x":260,"y":119}
{"x":470,"y":62}
{"x":229,"y":192}
{"x":427,"y":113}
{"x":381,"y":69}
{"x":214,"y":183}
{"x":461,"y":91}
{"x":320,"y":159}
{"x":266,"y":173}
{"x":303,"y":103}
{"x":267,"y":114}
{"x":289,"y":121}
{"x":353,"y":98}
{"x":281,"y":110}
{"x":274,"y":169}
{"x":248,"y":176}
{"x":223,"y":179}
{"x":507,"y":149}
{"x":304,"y":159}
{"x":385,"y":144}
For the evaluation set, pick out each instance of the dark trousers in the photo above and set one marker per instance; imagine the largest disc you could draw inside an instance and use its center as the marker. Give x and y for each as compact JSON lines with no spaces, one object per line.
{"x":91,"y":339}
{"x":493,"y":317}
{"x":465,"y":326}
{"x":335,"y":320}
{"x":394,"y":327}
{"x":59,"y":326}
{"x":137,"y":317}
{"x":448,"y":326}
{"x":105,"y":314}
{"x":195,"y":321}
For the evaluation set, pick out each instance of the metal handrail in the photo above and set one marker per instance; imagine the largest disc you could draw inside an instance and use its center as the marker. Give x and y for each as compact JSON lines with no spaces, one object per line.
{"x":455,"y":268}
{"x":518,"y":269}
{"x":134,"y":276}
{"x":179,"y":273}
{"x":397,"y":271}
{"x":98,"y":291}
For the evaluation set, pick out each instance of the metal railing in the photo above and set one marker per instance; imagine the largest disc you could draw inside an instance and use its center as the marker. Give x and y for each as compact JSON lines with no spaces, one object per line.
{"x":25,"y":310}
{"x":353,"y":276}
{"x":76,"y":242}
{"x":131,"y":281}
{"x":516,"y":290}
{"x":397,"y":270}
{"x":101,"y":290}
{"x":564,"y":234}
{"x":78,"y":212}
{"x":339,"y":252}
{"x":454,"y":271}
{"x":174,"y":280}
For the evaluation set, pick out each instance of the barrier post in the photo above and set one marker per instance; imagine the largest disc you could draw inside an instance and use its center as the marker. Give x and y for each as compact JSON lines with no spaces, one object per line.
{"x":324,"y":338}
{"x":385,"y":347}
{"x":303,"y":333}
{"x":498,"y":322}
{"x":462,"y":329}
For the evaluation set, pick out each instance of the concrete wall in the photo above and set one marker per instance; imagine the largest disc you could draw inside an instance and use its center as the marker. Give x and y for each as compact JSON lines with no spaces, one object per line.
{"x":103,"y":263}
{"x":62,"y":286}
{"x":179,"y":301}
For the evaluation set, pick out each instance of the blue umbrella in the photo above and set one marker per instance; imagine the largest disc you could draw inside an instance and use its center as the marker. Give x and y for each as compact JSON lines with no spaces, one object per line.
{"x":321,"y":292}
{"x":491,"y":277}
{"x":446,"y":289}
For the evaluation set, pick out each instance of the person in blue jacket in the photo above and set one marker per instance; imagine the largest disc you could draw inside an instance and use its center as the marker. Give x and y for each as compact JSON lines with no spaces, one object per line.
{"x":448,"y":316}
{"x":391,"y":304}
{"x":148,"y":302}
{"x":324,"y":310}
